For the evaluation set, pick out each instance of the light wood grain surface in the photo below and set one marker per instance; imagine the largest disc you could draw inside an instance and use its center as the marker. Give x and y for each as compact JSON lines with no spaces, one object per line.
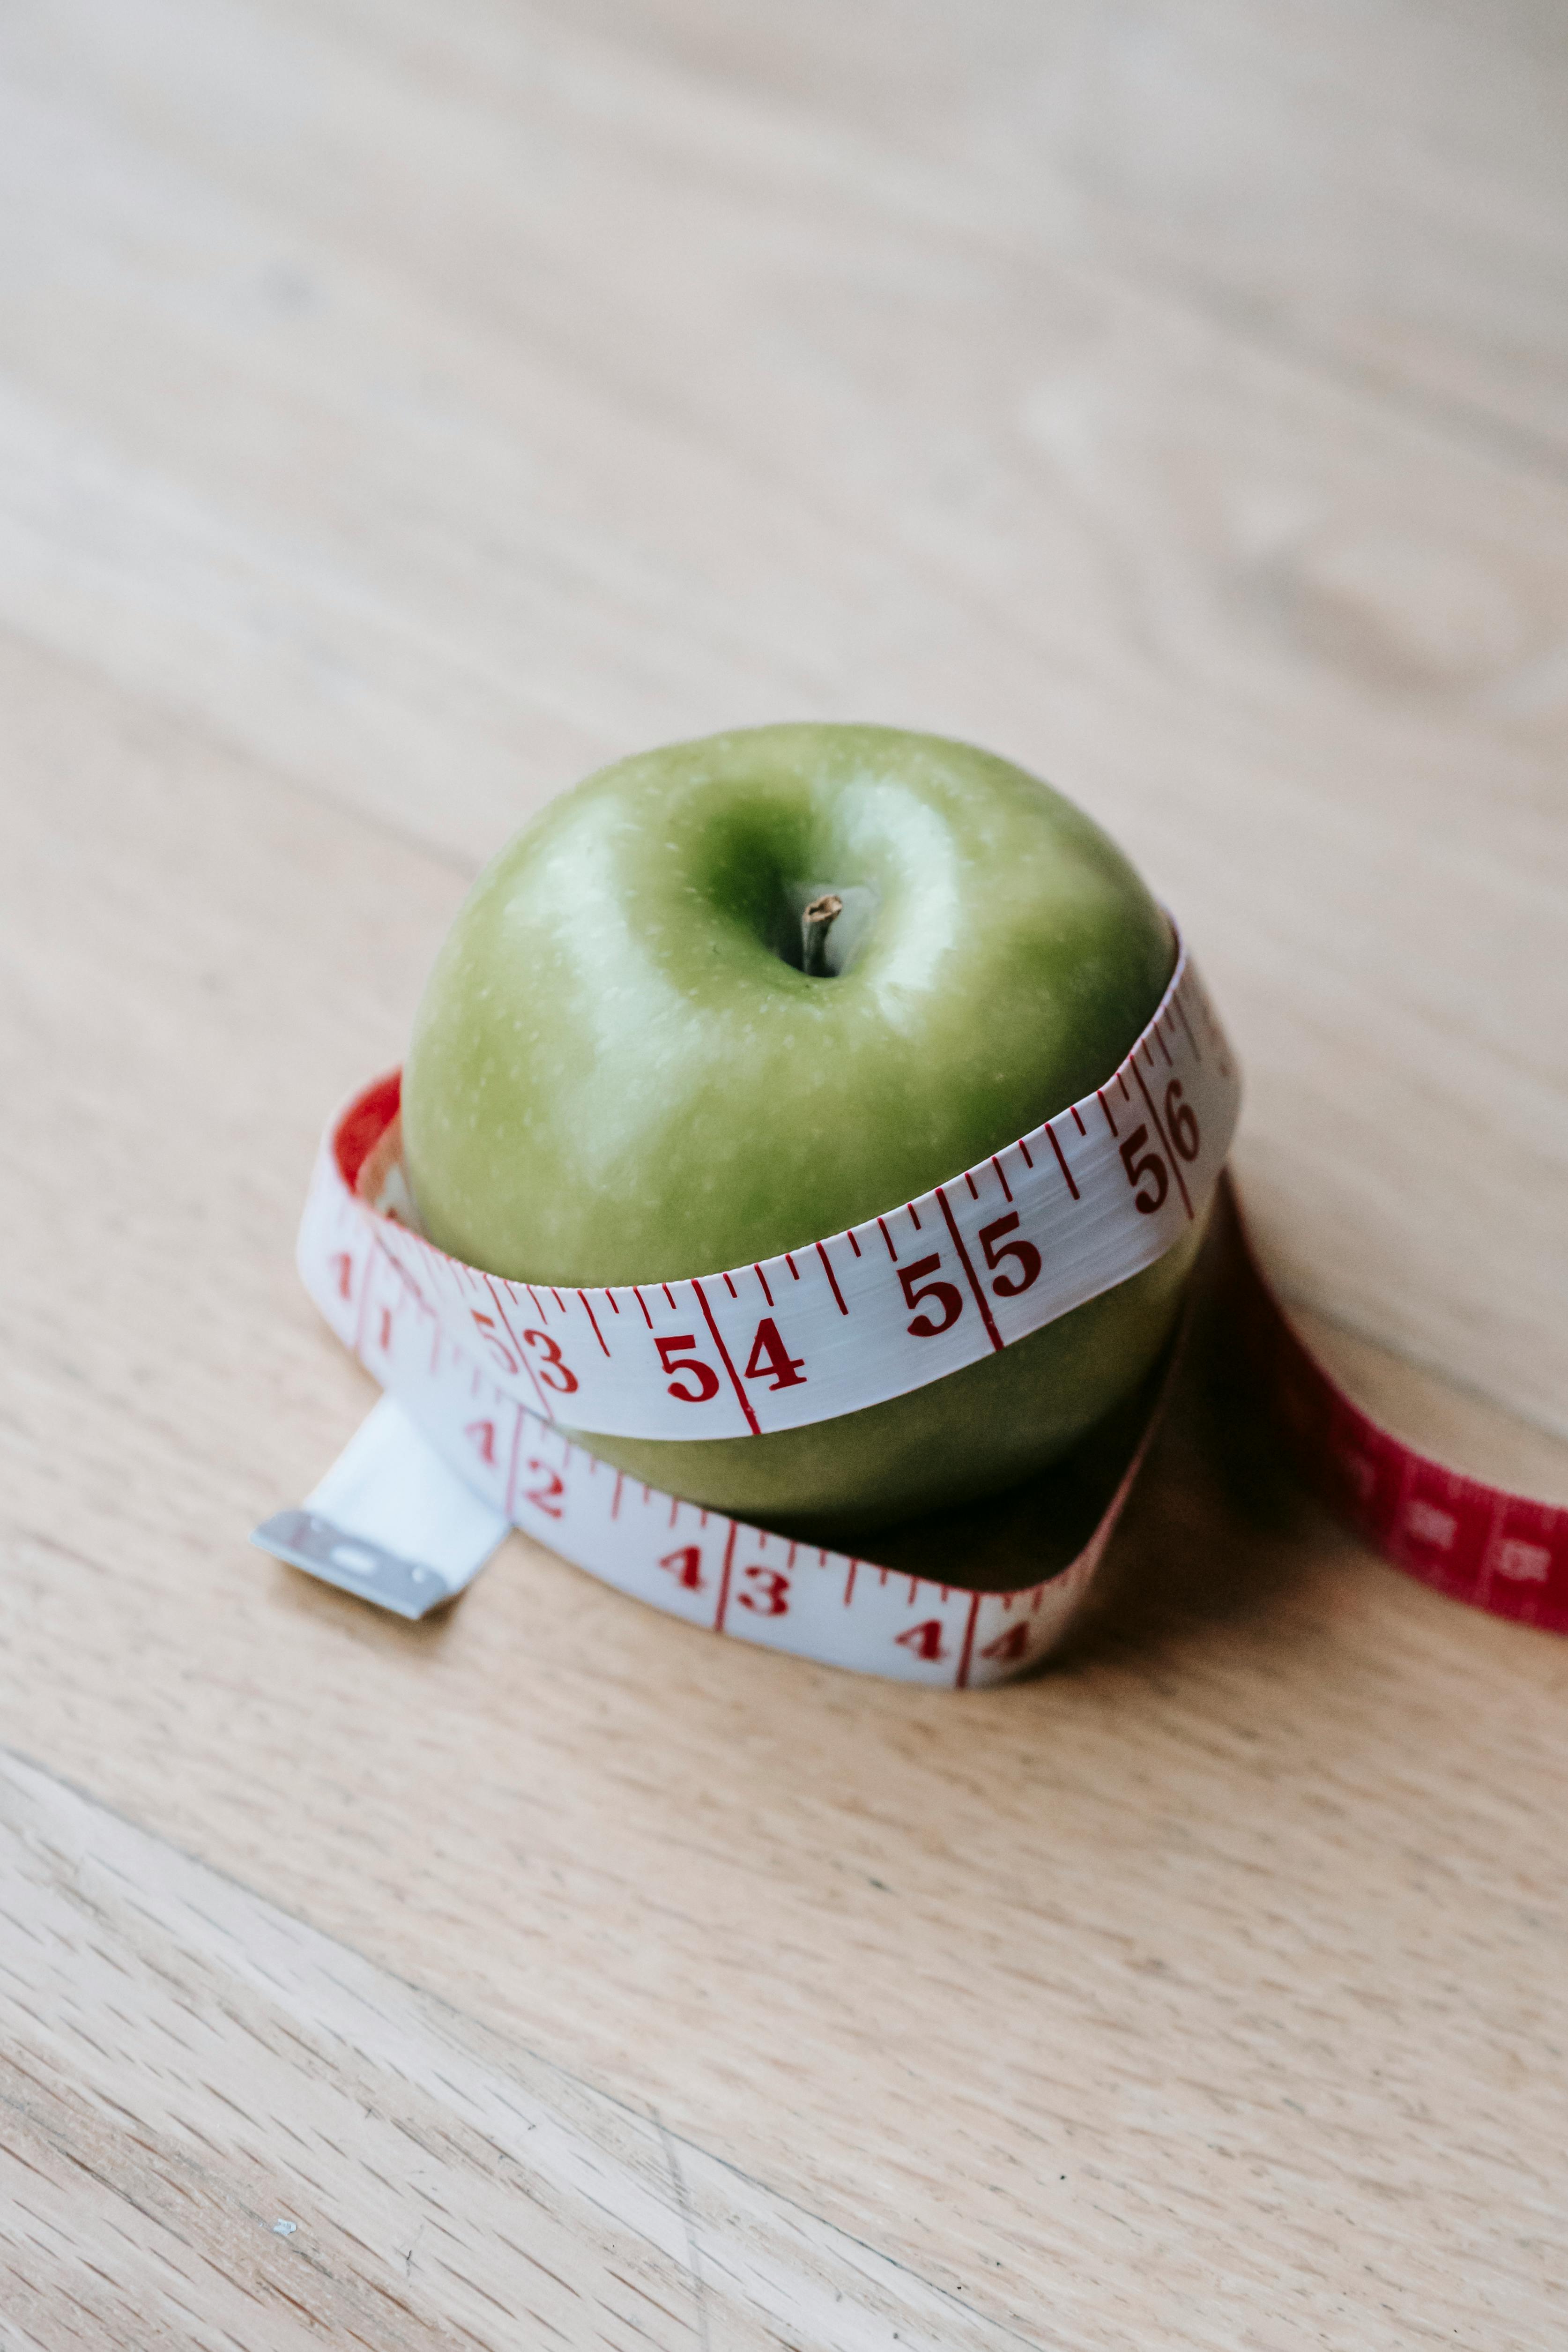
{"x":400,"y":411}
{"x":444,"y":2177}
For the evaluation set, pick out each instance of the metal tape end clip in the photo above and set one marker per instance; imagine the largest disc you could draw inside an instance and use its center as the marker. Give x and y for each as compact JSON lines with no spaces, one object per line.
{"x":337,"y":1556}
{"x":390,"y":1521}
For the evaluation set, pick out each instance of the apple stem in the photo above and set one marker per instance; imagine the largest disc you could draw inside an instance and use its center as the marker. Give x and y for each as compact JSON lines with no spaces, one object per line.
{"x":815,"y":921}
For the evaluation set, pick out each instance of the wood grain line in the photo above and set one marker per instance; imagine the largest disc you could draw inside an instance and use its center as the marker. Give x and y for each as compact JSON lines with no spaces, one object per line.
{"x":185,"y":2068}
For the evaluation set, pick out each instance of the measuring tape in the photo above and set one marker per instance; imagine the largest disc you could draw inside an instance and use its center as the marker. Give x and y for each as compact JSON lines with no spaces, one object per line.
{"x":1069,"y":1209}
{"x":488,"y":1383}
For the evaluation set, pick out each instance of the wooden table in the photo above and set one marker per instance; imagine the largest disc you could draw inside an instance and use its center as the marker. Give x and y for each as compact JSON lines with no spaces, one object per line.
{"x":403,"y":410}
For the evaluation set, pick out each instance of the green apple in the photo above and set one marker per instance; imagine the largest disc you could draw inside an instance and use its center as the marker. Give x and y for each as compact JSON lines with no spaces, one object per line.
{"x":652,"y":1046}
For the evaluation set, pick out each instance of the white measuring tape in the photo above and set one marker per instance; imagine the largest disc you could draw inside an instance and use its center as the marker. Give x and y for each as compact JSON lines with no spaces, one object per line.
{"x":1076,"y":1206}
{"x":486,"y":1380}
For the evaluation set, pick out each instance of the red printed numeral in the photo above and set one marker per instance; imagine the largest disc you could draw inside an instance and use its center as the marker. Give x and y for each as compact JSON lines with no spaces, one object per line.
{"x":1181,"y":1122}
{"x":1149,"y":1165}
{"x":553,"y":1372}
{"x":686,"y":1567}
{"x":925,"y":1640}
{"x":769,"y":1593}
{"x":1024,"y":1254}
{"x":486,"y":1327}
{"x":770,"y":1359}
{"x":916,"y":1288}
{"x":673,"y":1360}
{"x":546,"y":1497}
{"x":1009,"y":1647}
{"x":483,"y":1433}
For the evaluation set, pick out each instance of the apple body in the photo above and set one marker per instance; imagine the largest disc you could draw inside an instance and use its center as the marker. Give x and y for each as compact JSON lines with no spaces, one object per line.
{"x":621,"y":1071}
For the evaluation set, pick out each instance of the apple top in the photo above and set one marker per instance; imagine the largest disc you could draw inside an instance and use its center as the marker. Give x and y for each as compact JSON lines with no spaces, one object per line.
{"x":621,"y":1071}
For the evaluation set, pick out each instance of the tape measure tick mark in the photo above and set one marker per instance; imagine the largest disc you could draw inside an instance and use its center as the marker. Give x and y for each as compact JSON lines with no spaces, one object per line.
{"x":967,"y":1654}
{"x":832,"y":1278}
{"x":751,"y":1420}
{"x":594,"y":1320}
{"x":723,"y":1579}
{"x":1061,"y":1160}
{"x":1160,"y":1130}
{"x":1179,"y":1009}
{"x":516,"y":1452}
{"x":981,"y":1301}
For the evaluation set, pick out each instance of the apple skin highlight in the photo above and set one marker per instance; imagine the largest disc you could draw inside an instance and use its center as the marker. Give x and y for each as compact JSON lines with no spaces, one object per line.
{"x":620,"y":1074}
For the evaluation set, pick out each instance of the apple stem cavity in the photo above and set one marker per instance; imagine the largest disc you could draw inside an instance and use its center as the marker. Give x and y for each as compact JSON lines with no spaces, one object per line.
{"x":815,"y":921}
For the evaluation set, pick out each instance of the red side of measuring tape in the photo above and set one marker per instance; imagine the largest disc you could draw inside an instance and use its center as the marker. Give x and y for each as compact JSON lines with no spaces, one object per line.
{"x":363,"y":1124}
{"x":1476,"y":1543}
